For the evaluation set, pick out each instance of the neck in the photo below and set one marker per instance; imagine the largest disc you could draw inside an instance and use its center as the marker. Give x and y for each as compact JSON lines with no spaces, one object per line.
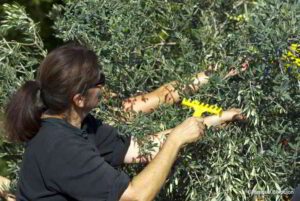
{"x":74,"y":117}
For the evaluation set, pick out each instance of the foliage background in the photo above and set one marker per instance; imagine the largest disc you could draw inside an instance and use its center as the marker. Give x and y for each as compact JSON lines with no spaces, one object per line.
{"x":143,"y":44}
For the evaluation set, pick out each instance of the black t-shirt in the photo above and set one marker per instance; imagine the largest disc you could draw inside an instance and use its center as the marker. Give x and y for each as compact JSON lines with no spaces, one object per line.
{"x":296,"y":196}
{"x":63,"y":162}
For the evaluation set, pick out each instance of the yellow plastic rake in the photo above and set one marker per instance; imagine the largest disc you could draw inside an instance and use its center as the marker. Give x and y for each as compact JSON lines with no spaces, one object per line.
{"x":199,"y":108}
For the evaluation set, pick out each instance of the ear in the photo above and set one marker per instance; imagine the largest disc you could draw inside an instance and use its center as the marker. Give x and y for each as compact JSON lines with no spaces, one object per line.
{"x":79,"y":100}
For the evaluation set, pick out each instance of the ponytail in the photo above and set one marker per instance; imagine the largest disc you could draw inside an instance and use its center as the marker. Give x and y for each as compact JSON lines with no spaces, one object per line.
{"x":23,"y":112}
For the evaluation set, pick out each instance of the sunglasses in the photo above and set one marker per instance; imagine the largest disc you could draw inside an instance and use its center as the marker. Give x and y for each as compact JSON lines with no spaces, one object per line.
{"x":101,"y":80}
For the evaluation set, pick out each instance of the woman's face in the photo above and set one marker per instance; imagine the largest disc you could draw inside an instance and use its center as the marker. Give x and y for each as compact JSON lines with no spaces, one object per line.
{"x":93,"y":97}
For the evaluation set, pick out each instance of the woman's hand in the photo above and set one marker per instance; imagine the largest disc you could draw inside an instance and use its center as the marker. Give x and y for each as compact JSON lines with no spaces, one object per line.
{"x":147,"y":183}
{"x":233,"y":114}
{"x":191,"y":130}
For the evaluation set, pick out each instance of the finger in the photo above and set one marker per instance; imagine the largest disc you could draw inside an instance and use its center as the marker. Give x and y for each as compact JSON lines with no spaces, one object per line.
{"x":201,"y":133}
{"x":237,"y":110}
{"x":199,"y":119}
{"x":201,"y":123}
{"x":203,"y":127}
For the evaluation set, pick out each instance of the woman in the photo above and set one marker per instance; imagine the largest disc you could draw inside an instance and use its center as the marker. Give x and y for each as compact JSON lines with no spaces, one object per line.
{"x":69,"y":154}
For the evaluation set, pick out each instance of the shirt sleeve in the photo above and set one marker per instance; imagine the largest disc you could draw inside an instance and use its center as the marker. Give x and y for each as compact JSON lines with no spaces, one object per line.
{"x":111,"y":145}
{"x":77,"y":170}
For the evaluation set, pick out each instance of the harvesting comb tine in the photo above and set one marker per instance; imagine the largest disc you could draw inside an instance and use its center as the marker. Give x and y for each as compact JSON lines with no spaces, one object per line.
{"x":200,"y":108}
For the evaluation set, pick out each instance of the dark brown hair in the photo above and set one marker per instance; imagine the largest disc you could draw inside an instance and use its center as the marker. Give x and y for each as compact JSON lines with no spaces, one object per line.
{"x":66,"y":71}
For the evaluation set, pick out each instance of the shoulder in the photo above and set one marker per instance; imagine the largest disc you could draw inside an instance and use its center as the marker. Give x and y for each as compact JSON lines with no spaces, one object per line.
{"x":53,"y":140}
